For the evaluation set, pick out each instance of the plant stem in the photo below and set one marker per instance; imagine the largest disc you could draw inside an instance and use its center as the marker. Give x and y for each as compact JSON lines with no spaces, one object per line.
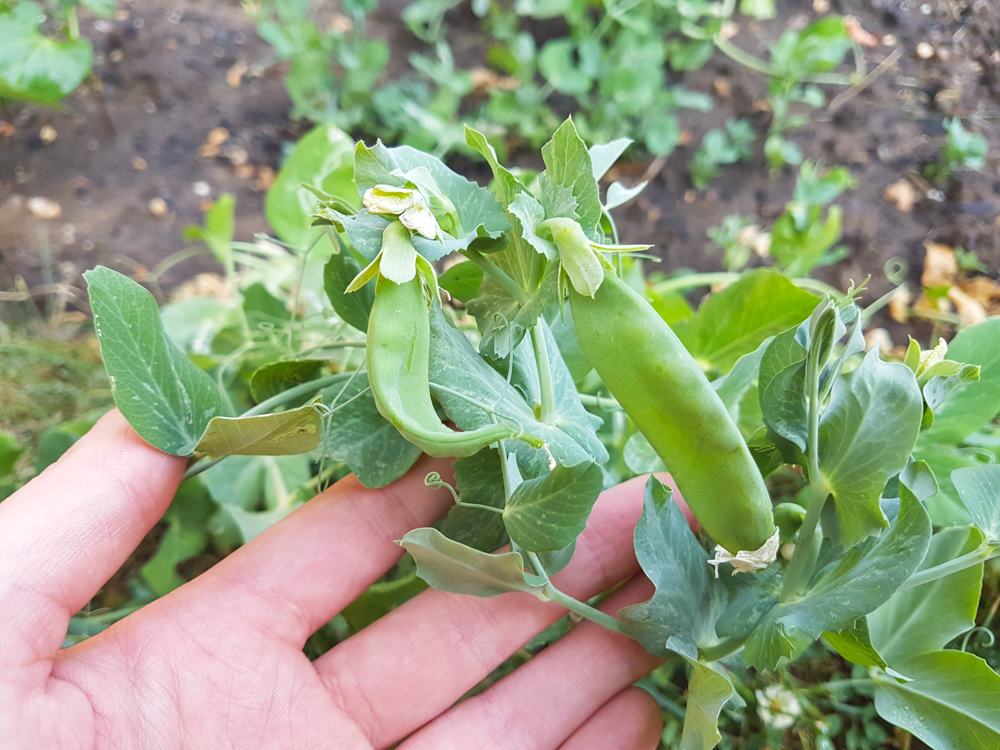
{"x":599,"y":402}
{"x":745,"y":59}
{"x":498,"y":275}
{"x":983,"y":553}
{"x":692,"y":280}
{"x":721,"y":649}
{"x":544,"y":372}
{"x":800,"y":569}
{"x":586,"y":611}
{"x":267,"y":405}
{"x":490,"y":508}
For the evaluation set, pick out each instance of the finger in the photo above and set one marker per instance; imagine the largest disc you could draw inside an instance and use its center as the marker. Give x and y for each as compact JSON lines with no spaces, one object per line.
{"x":542,"y":703}
{"x":291,"y":579}
{"x":630,"y":721}
{"x":64,"y":534}
{"x":415,"y":662}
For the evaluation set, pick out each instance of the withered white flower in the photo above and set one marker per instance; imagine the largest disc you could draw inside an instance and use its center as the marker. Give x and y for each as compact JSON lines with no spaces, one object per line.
{"x":748,"y":561}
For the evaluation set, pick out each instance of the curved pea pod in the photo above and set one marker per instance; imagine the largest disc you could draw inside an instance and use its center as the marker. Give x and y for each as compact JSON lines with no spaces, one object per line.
{"x":664,"y":391}
{"x":398,"y":353}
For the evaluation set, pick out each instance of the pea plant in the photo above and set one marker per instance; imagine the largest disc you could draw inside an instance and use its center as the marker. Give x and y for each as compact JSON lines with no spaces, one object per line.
{"x":844,"y":502}
{"x":43,"y":58}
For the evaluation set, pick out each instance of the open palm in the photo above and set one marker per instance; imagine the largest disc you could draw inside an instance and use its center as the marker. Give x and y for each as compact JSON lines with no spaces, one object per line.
{"x":219,"y":663}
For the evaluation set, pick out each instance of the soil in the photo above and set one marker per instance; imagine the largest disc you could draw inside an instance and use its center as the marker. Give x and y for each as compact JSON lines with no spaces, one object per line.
{"x":160,"y":86}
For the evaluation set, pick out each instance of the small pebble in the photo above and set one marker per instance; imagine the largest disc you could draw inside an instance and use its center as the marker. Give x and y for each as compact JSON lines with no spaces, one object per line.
{"x":149,"y":107}
{"x":158,"y":207}
{"x":47,"y":134}
{"x":44,"y":208}
{"x":139,"y":164}
{"x":925,"y":50}
{"x":925,"y":9}
{"x":202,"y":189}
{"x":116,"y":56}
{"x":889,"y":40}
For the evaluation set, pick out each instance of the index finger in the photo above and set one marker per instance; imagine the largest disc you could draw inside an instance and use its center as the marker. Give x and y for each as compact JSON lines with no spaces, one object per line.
{"x":65,"y":533}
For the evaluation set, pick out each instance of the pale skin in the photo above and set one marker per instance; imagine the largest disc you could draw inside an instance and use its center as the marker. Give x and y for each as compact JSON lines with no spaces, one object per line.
{"x":218,"y":663}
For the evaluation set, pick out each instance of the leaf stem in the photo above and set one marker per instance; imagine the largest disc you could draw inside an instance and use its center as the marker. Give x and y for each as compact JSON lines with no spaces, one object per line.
{"x":721,"y":649}
{"x":745,"y":59}
{"x":544,"y":371}
{"x":981,"y":554}
{"x":498,"y":275}
{"x":586,"y":611}
{"x":600,"y":402}
{"x":800,"y":569}
{"x":266,"y":406}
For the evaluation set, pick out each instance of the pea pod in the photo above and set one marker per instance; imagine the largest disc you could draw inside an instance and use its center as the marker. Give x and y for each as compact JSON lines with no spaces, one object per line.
{"x":398,"y":354}
{"x":661,"y":387}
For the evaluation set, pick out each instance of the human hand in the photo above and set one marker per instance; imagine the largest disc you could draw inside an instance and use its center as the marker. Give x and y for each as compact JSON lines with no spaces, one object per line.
{"x":218,"y":663}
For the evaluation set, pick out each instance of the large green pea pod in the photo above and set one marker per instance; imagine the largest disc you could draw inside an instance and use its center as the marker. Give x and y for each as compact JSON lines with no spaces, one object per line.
{"x":662,"y":389}
{"x":398,"y":354}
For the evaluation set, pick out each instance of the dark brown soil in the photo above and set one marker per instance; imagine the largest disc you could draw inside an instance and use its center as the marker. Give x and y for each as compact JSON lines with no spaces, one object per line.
{"x":160,"y":87}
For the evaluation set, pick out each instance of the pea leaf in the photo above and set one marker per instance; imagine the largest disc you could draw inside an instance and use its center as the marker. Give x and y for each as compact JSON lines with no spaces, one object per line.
{"x":548,"y":513}
{"x":338,"y":273}
{"x":855,"y":644}
{"x":708,"y":691}
{"x":324,"y":159}
{"x":479,"y":480}
{"x":979,"y":488}
{"x":480,"y":215}
{"x":568,"y":164}
{"x":507,"y":186}
{"x":166,"y":397}
{"x":845,"y":590}
{"x":640,"y":457}
{"x":951,"y":701}
{"x":185,"y":537}
{"x":282,"y":434}
{"x":35,"y":67}
{"x":737,"y":320}
{"x":462,"y":280}
{"x":278,"y":377}
{"x":604,"y":155}
{"x":946,"y":508}
{"x":866,"y":436}
{"x":926,"y":618}
{"x":975,"y":403}
{"x":781,"y":388}
{"x":681,"y":614}
{"x":472,"y":385}
{"x":361,"y":437}
{"x":448,"y":565}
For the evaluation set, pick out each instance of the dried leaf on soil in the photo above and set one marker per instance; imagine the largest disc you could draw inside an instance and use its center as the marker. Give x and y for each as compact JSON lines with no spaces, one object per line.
{"x":902,"y":194}
{"x":940,"y":266}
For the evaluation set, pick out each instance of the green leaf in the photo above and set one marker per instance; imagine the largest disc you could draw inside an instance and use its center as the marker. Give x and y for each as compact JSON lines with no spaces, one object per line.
{"x":951,"y":701}
{"x":926,"y":618}
{"x":507,"y":186}
{"x":35,"y":67}
{"x":737,"y":320}
{"x":380,"y":599}
{"x":759,"y":9}
{"x":570,"y":434}
{"x":708,"y":691}
{"x":862,"y":580}
{"x":548,"y":513}
{"x":690,"y":54}
{"x":239,"y":480}
{"x":10,"y":451}
{"x":164,"y":396}
{"x":530,"y":214}
{"x":282,"y":434}
{"x":193,"y":323}
{"x":462,"y":280}
{"x":278,"y":377}
{"x":855,"y":644}
{"x":640,"y":457}
{"x":979,"y":488}
{"x":479,"y":480}
{"x":865,"y":437}
{"x":568,"y":164}
{"x":450,"y":566}
{"x":946,"y":508}
{"x":818,"y":48}
{"x":339,"y":272}
{"x":185,"y":537}
{"x":480,"y":215}
{"x":687,"y":601}
{"x":604,"y":155}
{"x":976,"y":403}
{"x":323,"y":159}
{"x":558,"y":64}
{"x":361,"y":437}
{"x":781,"y":388}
